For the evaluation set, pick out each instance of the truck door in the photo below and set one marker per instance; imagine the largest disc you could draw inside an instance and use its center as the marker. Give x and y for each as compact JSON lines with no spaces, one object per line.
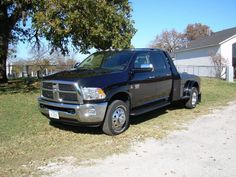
{"x":142,"y":84}
{"x":162,"y":74}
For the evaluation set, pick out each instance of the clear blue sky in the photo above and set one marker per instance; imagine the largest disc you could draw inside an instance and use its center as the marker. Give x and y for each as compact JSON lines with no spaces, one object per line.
{"x":153,"y":16}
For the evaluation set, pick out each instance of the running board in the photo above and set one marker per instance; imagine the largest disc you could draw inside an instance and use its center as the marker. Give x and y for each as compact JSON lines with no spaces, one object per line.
{"x":149,"y":108}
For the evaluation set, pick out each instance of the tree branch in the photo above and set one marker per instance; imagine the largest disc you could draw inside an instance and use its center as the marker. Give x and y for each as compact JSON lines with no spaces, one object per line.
{"x":19,"y":12}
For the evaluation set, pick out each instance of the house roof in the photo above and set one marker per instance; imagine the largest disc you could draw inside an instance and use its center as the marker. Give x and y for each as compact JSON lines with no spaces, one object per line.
{"x":212,"y":40}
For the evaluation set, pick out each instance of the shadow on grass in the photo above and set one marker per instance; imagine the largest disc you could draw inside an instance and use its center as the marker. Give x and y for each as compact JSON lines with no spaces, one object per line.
{"x":77,"y":129}
{"x":20,"y":86}
{"x":134,"y":120}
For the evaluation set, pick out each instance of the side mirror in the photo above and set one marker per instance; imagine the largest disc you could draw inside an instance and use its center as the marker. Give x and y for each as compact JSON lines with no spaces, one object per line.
{"x":144,"y":68}
{"x":76,"y":64}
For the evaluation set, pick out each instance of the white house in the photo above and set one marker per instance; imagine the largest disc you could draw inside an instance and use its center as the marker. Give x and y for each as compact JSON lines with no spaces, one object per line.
{"x":198,"y":54}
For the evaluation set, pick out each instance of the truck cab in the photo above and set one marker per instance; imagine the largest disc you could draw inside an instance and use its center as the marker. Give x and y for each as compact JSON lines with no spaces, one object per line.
{"x":109,"y":86}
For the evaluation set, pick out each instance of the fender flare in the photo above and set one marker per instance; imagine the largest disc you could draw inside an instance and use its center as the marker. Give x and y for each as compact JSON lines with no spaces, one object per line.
{"x":119,"y":90}
{"x":188,"y":86}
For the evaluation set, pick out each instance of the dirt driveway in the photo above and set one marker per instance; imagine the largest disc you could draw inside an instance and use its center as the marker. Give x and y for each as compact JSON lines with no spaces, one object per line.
{"x":206,"y":148}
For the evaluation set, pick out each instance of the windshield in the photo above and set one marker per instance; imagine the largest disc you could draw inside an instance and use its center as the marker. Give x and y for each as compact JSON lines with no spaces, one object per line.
{"x":112,"y":60}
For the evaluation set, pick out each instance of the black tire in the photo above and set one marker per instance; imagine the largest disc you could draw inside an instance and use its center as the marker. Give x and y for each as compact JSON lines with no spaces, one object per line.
{"x":193,"y":100}
{"x":117,"y":118}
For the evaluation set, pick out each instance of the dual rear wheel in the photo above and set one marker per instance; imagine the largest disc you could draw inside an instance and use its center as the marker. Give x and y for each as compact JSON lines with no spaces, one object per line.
{"x":193,"y":99}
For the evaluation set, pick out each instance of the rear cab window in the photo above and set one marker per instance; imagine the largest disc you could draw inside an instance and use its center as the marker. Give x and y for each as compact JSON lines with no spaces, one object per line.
{"x":160,"y":63}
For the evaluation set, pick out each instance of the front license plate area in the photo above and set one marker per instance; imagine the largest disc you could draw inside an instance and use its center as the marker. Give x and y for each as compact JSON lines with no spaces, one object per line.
{"x":53,"y":114}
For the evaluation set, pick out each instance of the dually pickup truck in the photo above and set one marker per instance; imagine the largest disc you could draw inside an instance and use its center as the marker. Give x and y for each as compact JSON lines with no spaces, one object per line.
{"x":109,"y":86}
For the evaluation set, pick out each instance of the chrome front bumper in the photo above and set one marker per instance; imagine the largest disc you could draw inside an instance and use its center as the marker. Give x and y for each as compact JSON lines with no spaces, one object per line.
{"x":84,"y":113}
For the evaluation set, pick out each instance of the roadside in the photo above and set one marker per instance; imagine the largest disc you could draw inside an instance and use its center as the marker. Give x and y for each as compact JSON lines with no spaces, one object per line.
{"x":207,"y":147}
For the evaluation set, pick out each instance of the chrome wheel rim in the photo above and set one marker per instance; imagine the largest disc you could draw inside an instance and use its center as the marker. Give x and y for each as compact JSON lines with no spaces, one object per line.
{"x":194,"y":98}
{"x":118,"y":118}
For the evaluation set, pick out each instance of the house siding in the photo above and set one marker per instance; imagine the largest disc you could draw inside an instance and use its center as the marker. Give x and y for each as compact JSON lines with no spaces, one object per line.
{"x":196,"y":57}
{"x":200,"y":59}
{"x":227,"y":50}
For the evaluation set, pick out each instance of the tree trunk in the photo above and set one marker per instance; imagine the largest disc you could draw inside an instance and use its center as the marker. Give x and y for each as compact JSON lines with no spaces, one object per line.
{"x":4,"y":41}
{"x":3,"y":73}
{"x":3,"y":59}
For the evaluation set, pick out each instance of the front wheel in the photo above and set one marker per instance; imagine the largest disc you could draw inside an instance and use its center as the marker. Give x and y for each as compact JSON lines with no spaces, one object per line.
{"x":193,"y":100}
{"x":117,"y":118}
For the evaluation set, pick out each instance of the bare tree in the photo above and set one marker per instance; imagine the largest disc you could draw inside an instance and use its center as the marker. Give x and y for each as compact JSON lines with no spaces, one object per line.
{"x":220,"y":64}
{"x":42,"y":62}
{"x":61,"y":61}
{"x":197,"y":30}
{"x":40,"y":59}
{"x":169,"y":40}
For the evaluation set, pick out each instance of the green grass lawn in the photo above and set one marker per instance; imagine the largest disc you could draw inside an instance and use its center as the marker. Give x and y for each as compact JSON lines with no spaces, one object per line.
{"x":27,"y":140}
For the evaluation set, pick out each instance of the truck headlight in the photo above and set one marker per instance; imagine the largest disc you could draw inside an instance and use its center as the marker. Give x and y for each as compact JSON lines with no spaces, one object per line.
{"x":90,"y":93}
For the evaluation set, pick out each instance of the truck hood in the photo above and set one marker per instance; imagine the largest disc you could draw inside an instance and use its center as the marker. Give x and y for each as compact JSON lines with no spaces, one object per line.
{"x":91,"y":78}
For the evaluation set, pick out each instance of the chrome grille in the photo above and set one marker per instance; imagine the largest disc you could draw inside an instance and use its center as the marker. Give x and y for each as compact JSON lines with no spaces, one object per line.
{"x":66,"y":87}
{"x":47,"y":85}
{"x":68,"y":96}
{"x":58,"y":91}
{"x":47,"y":94}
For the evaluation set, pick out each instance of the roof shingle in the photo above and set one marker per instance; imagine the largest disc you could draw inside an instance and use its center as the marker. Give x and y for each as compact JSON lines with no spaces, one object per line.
{"x":213,"y":39}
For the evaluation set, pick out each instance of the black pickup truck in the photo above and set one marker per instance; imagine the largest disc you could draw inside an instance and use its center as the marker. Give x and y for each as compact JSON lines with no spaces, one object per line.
{"x":109,"y":86}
